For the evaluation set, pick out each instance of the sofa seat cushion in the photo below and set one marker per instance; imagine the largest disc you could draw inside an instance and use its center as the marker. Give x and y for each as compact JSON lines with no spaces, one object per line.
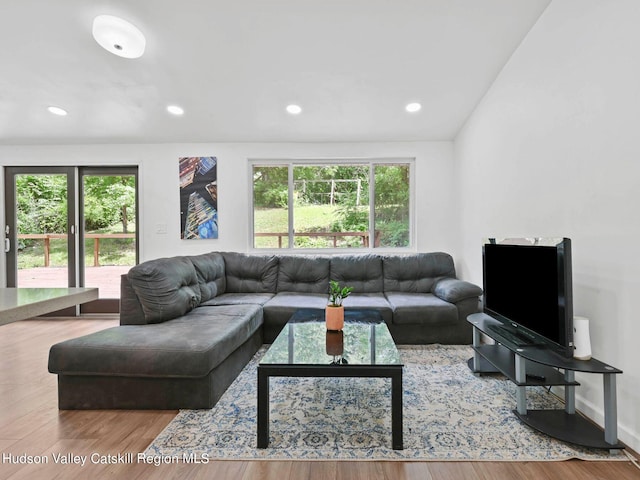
{"x":187,"y":347}
{"x":279,"y":309}
{"x":421,"y":308}
{"x":372,"y":301}
{"x":239,"y":299}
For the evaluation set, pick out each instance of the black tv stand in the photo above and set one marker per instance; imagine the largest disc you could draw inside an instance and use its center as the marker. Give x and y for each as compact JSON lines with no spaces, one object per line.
{"x":537,"y":365}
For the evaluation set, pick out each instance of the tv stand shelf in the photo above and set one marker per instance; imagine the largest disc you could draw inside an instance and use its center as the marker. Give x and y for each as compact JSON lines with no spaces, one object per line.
{"x":536,"y":375}
{"x":540,"y":365}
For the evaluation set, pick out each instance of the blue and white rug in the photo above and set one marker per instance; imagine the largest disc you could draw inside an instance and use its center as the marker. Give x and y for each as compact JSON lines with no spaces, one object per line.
{"x":449,"y":414}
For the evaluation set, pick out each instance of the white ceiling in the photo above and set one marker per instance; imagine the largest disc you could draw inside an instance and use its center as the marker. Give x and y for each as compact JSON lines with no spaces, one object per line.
{"x":234,"y":65}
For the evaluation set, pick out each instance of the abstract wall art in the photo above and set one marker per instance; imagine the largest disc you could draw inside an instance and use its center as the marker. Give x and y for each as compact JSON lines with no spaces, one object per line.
{"x":198,"y":197}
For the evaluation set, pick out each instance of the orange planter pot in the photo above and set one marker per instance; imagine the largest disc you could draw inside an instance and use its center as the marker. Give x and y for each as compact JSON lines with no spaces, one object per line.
{"x":334,"y":317}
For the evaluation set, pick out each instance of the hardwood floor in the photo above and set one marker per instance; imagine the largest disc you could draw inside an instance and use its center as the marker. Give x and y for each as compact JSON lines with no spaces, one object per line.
{"x":32,"y":425}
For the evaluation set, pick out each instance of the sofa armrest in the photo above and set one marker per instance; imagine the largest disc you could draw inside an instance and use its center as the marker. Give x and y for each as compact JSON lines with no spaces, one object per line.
{"x":453,"y":290}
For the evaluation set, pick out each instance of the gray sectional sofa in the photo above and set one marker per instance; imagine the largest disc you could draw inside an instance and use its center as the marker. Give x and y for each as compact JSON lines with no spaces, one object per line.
{"x":189,"y":324}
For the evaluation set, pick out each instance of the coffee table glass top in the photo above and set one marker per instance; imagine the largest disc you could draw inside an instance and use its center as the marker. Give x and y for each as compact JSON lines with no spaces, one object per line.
{"x":365,"y":340}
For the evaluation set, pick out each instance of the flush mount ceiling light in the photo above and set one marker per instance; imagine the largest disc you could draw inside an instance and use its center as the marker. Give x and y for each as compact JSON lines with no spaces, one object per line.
{"x":61,"y":112}
{"x":294,"y":109}
{"x":118,"y":36}
{"x":413,"y":107}
{"x":175,"y":110}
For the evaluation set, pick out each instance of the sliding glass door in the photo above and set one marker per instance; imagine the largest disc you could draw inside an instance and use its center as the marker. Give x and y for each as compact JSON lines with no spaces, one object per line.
{"x":108,"y":230}
{"x":71,"y":227}
{"x":40,"y":241}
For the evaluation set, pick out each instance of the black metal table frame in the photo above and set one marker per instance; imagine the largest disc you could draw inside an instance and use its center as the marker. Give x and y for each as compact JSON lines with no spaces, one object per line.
{"x":394,"y":372}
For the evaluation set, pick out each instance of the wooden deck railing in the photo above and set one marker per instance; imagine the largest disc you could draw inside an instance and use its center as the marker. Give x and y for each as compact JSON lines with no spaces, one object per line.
{"x":96,"y":242}
{"x":364,"y":236}
{"x":333,"y":235}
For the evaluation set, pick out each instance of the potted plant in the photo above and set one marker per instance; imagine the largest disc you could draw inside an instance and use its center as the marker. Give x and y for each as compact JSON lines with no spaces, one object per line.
{"x":334,"y":314}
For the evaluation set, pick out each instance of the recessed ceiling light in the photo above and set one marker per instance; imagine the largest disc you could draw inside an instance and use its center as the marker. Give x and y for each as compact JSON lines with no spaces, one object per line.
{"x":57,"y":111}
{"x":118,"y":36}
{"x":413,"y":107}
{"x":294,"y":109}
{"x":175,"y":110}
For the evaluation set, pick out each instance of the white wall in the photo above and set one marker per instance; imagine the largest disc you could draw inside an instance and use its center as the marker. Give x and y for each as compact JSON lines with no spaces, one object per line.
{"x":159,"y":186}
{"x":553,"y":150}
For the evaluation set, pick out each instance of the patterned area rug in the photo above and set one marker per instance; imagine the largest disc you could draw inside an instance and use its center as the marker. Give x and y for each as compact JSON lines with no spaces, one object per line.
{"x":449,"y":414}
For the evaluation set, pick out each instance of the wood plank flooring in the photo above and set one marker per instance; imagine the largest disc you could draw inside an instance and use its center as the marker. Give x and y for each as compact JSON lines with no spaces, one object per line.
{"x":31,"y":424}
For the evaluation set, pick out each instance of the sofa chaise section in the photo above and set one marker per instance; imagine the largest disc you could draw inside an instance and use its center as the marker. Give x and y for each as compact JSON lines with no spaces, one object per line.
{"x":184,"y":363}
{"x":167,"y":354}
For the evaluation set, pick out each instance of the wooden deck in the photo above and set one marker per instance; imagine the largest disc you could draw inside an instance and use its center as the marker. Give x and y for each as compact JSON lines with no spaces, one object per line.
{"x":105,"y":278}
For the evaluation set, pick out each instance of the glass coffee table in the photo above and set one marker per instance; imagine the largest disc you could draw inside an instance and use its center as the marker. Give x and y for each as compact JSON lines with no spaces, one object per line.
{"x":304,"y":348}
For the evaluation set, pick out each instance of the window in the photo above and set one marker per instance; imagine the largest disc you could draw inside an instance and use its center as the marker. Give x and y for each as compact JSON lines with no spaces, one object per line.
{"x":364,"y":204}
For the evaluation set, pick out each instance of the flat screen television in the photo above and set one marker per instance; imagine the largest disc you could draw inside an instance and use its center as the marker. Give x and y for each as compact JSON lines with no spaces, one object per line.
{"x":527,"y":287}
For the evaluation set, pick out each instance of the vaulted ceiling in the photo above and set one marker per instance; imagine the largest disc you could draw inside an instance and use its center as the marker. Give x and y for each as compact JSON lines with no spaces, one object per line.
{"x":233,"y":66}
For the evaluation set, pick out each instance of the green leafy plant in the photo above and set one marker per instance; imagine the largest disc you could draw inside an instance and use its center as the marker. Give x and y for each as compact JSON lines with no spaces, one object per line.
{"x":337,"y":293}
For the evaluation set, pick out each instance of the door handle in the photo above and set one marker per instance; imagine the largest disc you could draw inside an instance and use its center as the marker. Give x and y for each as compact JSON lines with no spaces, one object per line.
{"x":7,"y":245}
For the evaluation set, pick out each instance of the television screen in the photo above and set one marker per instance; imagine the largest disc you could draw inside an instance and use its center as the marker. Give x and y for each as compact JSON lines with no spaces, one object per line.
{"x":528,"y":284}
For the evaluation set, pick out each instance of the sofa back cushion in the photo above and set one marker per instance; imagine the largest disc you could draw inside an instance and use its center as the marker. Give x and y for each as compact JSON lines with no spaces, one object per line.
{"x":416,"y":273}
{"x":211,"y":276}
{"x":250,"y":273}
{"x":362,"y":272}
{"x":303,"y":274}
{"x":167,"y":288}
